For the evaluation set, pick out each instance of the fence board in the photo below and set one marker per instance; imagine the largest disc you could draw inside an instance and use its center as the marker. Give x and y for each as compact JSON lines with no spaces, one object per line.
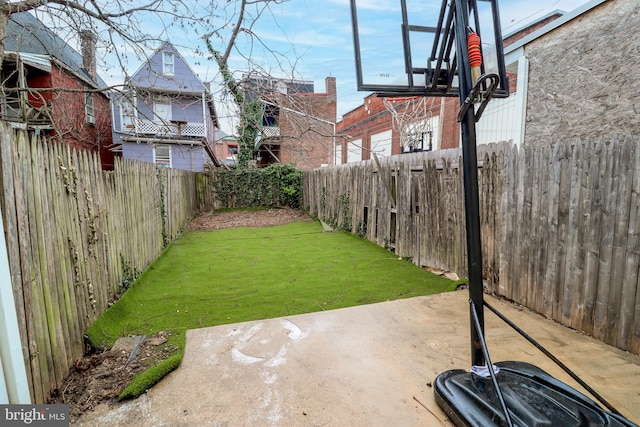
{"x":533,"y":191}
{"x":606,"y":240}
{"x":572,"y":290}
{"x":630,"y":278}
{"x":488,"y":206}
{"x":10,"y":201}
{"x":563,"y":230}
{"x":36,"y":303}
{"x":508,"y":215}
{"x":541,"y":248}
{"x":523,"y":227}
{"x":620,"y":234}
{"x":593,"y":208}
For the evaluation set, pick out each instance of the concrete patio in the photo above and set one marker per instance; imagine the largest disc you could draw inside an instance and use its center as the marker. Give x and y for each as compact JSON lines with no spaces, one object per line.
{"x":370,"y":365}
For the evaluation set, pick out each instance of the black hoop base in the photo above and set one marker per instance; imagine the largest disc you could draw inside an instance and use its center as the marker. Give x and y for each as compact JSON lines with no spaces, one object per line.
{"x":533,"y":398}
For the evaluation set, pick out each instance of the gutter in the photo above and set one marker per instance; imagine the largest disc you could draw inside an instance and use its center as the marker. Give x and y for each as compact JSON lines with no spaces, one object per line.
{"x":553,"y":25}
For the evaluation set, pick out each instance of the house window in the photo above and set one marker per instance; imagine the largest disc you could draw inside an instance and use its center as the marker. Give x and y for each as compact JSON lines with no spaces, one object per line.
{"x":88,"y":108}
{"x":168,"y":63}
{"x":162,"y":155}
{"x":127,"y":115}
{"x":232,"y":150}
{"x":162,"y":109}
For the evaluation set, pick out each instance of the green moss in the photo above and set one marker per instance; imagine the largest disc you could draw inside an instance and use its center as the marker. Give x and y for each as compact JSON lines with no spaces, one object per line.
{"x":145,"y":380}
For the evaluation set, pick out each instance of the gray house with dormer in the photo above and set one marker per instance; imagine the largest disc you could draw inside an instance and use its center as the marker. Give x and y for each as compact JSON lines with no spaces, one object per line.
{"x":165,"y":114}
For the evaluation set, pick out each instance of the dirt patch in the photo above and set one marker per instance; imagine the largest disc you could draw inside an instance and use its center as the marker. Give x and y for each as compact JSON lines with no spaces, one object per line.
{"x":259,"y":218}
{"x":100,"y":377}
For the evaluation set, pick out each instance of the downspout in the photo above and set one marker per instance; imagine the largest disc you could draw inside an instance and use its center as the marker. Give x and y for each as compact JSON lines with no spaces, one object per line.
{"x":204,"y":117}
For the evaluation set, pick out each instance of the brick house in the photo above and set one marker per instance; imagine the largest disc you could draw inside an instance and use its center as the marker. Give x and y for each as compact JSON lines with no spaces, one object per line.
{"x":226,"y":148}
{"x":298,"y":124}
{"x":167,"y":115}
{"x":51,"y":89}
{"x":369,"y":128}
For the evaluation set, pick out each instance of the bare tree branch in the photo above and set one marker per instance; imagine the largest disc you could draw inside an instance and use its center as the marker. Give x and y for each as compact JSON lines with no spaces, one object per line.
{"x":234,"y":34}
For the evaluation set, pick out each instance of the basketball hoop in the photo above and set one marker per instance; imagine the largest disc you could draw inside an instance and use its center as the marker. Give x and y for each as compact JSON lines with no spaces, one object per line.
{"x":455,"y":68}
{"x":411,"y":118}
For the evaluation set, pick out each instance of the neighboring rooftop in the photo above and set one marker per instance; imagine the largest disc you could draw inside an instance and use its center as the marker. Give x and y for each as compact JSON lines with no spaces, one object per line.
{"x":27,"y":34}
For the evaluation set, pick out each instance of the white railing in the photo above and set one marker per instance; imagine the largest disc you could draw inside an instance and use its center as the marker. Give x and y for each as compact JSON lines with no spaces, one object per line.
{"x":173,"y":128}
{"x":270,"y":131}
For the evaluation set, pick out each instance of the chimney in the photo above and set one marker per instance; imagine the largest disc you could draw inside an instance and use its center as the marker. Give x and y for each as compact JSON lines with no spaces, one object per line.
{"x":88,"y":46}
{"x":330,"y":84}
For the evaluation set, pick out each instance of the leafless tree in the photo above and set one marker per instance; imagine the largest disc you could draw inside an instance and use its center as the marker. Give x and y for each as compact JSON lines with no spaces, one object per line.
{"x":120,"y":26}
{"x":228,"y":28}
{"x":119,"y":29}
{"x":255,"y":90}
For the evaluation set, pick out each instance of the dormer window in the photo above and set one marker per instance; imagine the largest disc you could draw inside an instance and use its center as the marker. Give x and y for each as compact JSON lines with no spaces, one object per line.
{"x":168,"y":63}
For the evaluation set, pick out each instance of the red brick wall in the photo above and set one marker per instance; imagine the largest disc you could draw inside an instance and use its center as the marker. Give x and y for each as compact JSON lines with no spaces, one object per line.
{"x":366,"y":120}
{"x":373,"y":117}
{"x":69,"y":116}
{"x":305,"y":140}
{"x":449,"y":124}
{"x":221,"y":149}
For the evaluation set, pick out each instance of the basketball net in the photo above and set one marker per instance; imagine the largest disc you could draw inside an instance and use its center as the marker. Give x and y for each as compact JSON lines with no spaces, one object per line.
{"x":411,"y":118}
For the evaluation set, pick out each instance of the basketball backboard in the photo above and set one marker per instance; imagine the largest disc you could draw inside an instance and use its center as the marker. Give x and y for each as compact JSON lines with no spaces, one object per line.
{"x":408,"y":47}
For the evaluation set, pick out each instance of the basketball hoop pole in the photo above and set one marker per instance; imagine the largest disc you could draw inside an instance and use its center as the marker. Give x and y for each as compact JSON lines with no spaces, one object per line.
{"x":470,"y":180}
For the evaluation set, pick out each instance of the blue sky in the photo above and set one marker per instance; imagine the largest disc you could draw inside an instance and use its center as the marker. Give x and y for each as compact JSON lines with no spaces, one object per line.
{"x":314,"y":40}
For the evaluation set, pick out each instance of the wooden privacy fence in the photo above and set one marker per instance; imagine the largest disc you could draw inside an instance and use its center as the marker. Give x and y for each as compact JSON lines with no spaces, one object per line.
{"x":75,"y":234}
{"x":560,"y":224}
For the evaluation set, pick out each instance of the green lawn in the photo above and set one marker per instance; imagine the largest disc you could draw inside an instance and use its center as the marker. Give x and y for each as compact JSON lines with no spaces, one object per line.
{"x":236,"y":275}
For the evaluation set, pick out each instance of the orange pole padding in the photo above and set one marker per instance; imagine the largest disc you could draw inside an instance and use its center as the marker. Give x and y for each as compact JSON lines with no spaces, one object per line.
{"x":475,"y":55}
